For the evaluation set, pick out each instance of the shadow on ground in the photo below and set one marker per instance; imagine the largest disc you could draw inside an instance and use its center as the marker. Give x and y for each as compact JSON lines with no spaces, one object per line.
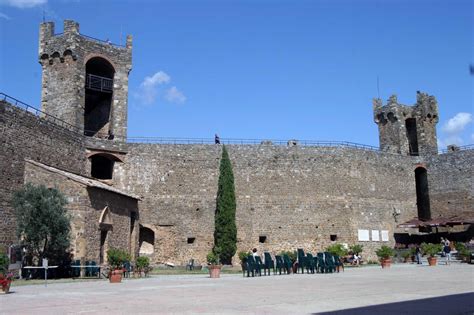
{"x":449,"y":304}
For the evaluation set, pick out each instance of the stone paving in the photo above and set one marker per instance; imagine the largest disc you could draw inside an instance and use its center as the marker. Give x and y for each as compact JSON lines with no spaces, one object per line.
{"x":233,"y":294}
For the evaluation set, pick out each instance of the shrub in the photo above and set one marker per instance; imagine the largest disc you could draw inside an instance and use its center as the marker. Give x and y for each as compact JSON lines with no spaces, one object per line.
{"x":406,"y":254}
{"x":356,"y":248}
{"x":291,"y":255}
{"x":385,"y":252}
{"x":143,"y":263}
{"x":243,"y":256}
{"x":212,"y":258}
{"x":4,"y":263}
{"x":117,"y":257}
{"x":431,"y":249}
{"x":337,"y":249}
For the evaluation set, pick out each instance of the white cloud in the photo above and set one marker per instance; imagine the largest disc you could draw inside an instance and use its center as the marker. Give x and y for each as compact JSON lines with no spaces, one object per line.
{"x":457,"y":124}
{"x":148,"y":91}
{"x":174,"y":95}
{"x":4,"y":16}
{"x":23,"y":4}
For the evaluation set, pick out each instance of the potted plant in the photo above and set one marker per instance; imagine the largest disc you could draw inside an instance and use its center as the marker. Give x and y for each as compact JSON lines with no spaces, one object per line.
{"x":143,"y":265}
{"x":356,"y":249}
{"x":214,"y":264}
{"x":431,"y":250}
{"x":6,"y":278}
{"x":116,"y":259}
{"x":385,"y":253}
{"x":406,"y":256}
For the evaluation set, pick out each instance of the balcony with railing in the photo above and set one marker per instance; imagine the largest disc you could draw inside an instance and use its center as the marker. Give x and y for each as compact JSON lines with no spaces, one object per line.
{"x":98,"y":83}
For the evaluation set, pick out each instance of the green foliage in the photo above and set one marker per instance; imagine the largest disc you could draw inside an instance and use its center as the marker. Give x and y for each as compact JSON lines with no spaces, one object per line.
{"x":356,"y":248}
{"x":431,"y":249}
{"x":385,"y":252}
{"x":212,"y":258}
{"x":459,"y":246}
{"x":4,"y":263}
{"x":243,"y":256}
{"x":406,"y":254}
{"x":143,"y":263}
{"x":116,"y":258}
{"x":225,"y":232}
{"x":43,"y":223}
{"x":337,"y":249}
{"x":464,"y":252}
{"x":292,"y":255}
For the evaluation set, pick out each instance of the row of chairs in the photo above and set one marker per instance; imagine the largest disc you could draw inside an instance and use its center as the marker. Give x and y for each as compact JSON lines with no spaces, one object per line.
{"x":321,"y":263}
{"x":91,"y":269}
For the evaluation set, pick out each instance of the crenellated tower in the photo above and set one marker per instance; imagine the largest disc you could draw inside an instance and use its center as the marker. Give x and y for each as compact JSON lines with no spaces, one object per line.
{"x":85,"y":80}
{"x":407,"y":130}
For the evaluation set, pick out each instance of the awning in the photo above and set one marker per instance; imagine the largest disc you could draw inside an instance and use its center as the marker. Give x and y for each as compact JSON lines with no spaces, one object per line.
{"x":450,"y":221}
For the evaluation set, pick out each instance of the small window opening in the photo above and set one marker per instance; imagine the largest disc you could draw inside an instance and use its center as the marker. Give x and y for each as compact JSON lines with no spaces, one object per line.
{"x":101,"y":167}
{"x":410,"y":125}
{"x":262,"y":239}
{"x":333,"y":237}
{"x":422,"y":194}
{"x":146,"y":240}
{"x":191,"y":240}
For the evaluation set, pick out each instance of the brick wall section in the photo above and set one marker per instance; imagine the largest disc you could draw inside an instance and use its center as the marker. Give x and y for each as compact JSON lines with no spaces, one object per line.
{"x":296,"y":196}
{"x":451,"y":184}
{"x":85,"y":205}
{"x":23,"y":135}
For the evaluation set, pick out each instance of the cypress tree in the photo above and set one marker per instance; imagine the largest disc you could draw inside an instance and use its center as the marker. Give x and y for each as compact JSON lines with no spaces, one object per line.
{"x":225,"y":231}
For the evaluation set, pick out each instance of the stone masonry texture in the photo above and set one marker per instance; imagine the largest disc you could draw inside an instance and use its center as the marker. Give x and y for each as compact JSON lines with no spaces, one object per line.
{"x":289,"y":196}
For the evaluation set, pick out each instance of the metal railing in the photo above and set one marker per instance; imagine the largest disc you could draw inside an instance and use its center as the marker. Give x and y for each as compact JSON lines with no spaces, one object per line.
{"x":460,"y":148}
{"x":98,"y":83}
{"x":230,"y":141}
{"x":32,"y":110}
{"x":102,"y":41}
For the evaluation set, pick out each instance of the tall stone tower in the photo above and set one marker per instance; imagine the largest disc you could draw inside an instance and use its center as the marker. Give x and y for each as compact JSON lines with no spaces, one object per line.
{"x":85,"y":80}
{"x":407,"y":130}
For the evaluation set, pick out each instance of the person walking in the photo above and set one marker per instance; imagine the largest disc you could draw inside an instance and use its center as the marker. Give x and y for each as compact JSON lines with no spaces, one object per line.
{"x":447,"y":251}
{"x":418,"y":254}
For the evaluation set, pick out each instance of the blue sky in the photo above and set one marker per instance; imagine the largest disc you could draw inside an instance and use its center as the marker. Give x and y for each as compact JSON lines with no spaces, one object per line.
{"x":264,"y":69}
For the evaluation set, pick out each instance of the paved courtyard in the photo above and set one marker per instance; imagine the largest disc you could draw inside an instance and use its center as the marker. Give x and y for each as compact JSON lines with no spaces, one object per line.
{"x":420,"y":289}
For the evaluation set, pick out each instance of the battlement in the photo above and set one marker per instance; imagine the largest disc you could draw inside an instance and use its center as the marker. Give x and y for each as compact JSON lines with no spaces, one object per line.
{"x":404,"y":129}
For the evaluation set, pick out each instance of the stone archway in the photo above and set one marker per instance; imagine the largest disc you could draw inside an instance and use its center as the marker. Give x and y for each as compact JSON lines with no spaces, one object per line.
{"x":105,"y":226}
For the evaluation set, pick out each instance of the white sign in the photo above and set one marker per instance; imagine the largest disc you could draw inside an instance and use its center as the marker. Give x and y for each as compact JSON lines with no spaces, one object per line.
{"x":384,"y":236}
{"x":375,"y":235}
{"x":45,"y":262}
{"x":363,"y":235}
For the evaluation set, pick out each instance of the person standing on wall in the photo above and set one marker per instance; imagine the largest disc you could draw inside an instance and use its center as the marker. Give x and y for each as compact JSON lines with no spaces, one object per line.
{"x":217,"y":140}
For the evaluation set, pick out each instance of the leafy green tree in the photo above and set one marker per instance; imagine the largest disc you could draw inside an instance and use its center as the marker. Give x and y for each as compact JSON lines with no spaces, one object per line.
{"x":43,"y":224}
{"x":225,"y":232}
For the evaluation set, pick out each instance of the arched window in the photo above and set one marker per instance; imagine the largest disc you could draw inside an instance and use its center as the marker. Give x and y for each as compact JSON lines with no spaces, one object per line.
{"x":99,"y":90}
{"x":422,"y":194}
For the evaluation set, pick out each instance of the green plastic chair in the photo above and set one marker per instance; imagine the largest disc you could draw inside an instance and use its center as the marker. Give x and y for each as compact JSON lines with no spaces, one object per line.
{"x":279,"y":263}
{"x":331,"y":267}
{"x":269,"y":263}
{"x":288,"y":265}
{"x":260,"y":265}
{"x":301,"y":260}
{"x":322,"y":266}
{"x":88,"y":269}
{"x":252,"y":267}
{"x":309,"y":263}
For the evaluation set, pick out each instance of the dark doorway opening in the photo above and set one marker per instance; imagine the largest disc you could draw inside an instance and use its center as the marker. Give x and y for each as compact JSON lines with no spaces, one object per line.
{"x":410,"y":125}
{"x":98,"y":100}
{"x":102,"y":167}
{"x":262,"y":239}
{"x":103,"y":239}
{"x":422,"y":194}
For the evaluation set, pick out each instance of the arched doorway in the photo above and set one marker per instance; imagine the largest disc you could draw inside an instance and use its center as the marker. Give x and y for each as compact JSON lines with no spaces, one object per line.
{"x":105,"y":226}
{"x":146,"y":241}
{"x":422,"y":194}
{"x":98,"y":102}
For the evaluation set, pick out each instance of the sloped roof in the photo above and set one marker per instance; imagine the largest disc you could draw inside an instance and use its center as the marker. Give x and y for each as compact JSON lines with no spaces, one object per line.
{"x":87,"y":181}
{"x":452,"y":220}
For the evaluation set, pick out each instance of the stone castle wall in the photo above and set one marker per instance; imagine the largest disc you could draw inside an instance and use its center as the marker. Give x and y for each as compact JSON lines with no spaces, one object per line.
{"x":26,"y":136}
{"x":451,"y":180}
{"x":295,"y":196}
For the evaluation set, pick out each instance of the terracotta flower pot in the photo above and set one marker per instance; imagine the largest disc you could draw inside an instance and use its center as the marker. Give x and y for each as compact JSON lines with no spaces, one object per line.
{"x":5,"y":288}
{"x":215,"y":271}
{"x":115,"y":276}
{"x":385,"y":263}
{"x":432,"y":261}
